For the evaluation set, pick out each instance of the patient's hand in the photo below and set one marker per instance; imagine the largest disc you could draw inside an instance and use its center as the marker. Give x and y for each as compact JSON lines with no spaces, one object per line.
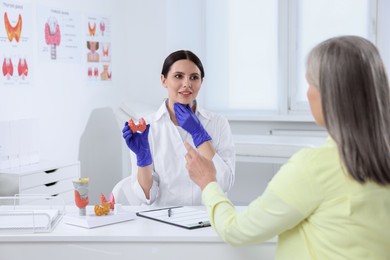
{"x":202,"y":170}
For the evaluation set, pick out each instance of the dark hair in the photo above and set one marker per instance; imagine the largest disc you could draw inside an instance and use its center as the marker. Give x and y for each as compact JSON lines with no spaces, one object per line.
{"x":355,"y":96}
{"x":181,"y":55}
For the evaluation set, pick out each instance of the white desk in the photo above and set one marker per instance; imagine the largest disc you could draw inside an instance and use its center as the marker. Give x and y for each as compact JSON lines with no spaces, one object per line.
{"x":136,"y":239}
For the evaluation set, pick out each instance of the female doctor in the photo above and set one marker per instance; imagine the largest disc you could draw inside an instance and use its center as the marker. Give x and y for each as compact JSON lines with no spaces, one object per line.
{"x":159,"y":169}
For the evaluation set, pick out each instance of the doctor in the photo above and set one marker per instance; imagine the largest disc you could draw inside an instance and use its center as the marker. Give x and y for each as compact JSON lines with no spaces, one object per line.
{"x":159,"y":172}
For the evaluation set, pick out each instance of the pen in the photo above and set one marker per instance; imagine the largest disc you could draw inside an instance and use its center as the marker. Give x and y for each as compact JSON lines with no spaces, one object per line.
{"x":204,"y":223}
{"x":169,"y":212}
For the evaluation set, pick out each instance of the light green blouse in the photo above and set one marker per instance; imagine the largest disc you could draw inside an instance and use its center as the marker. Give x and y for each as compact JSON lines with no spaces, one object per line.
{"x":317,"y":210}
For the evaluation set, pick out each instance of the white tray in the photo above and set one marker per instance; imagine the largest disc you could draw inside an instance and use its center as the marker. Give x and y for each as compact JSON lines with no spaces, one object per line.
{"x":92,"y":221}
{"x":41,"y":214}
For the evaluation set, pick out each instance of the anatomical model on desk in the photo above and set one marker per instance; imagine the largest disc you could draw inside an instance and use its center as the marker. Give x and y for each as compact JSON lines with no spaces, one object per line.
{"x":81,"y":194}
{"x":98,"y":215}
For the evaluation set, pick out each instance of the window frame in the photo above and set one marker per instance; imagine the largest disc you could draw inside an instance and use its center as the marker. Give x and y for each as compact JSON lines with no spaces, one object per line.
{"x":294,"y":106}
{"x":289,"y":109}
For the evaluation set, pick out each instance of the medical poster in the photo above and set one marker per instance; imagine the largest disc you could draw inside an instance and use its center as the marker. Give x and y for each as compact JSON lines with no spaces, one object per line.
{"x":59,"y":35}
{"x":98,"y":49}
{"x":15,"y":43}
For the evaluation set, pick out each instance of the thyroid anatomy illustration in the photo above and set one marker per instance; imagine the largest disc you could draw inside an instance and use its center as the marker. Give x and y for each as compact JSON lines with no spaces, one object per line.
{"x":52,"y":35}
{"x":102,"y":27}
{"x":92,"y":29}
{"x":105,"y":75}
{"x":22,"y":68}
{"x":13,"y":32}
{"x":8,"y":68}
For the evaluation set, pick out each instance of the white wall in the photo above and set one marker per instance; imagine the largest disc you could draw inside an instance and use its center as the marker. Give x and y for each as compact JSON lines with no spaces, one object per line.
{"x":76,"y":120}
{"x":144,"y":31}
{"x":59,"y":97}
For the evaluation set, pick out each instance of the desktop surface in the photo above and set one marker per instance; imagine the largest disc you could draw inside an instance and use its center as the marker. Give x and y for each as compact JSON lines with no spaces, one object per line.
{"x":139,"y":237}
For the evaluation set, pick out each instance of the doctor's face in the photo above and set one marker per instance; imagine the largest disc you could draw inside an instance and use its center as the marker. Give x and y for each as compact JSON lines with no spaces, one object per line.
{"x":183,"y":82}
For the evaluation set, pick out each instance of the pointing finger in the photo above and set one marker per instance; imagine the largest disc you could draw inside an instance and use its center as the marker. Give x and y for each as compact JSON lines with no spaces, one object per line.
{"x":189,"y":148}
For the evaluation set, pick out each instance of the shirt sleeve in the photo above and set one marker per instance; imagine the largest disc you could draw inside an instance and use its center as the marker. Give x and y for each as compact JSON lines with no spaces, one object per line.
{"x":224,"y":158}
{"x":297,"y":183}
{"x":263,"y":219}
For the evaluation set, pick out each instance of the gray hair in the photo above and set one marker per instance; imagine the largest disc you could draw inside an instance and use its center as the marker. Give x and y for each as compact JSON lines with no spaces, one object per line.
{"x":355,"y":96}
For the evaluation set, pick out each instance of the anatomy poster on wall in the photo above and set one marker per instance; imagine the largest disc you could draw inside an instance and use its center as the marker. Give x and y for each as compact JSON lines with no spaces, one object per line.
{"x":15,"y":43}
{"x":59,"y":35}
{"x":98,"y":49}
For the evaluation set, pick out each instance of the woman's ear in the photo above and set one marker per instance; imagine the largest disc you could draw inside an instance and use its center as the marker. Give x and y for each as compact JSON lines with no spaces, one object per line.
{"x":163,"y":81}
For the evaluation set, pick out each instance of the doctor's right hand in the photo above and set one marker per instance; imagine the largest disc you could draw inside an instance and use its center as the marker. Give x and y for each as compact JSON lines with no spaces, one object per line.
{"x":139,"y":144}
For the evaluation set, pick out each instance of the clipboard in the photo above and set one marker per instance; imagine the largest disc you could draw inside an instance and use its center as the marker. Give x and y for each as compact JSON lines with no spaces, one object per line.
{"x":180,"y":216}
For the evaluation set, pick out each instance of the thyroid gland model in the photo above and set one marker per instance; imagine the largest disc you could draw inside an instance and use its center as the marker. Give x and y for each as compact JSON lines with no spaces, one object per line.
{"x":52,"y":35}
{"x":13,"y":32}
{"x":81,"y":194}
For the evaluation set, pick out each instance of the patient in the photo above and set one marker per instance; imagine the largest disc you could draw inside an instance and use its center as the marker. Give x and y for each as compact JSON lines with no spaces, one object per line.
{"x":330,"y":202}
{"x":158,"y":165}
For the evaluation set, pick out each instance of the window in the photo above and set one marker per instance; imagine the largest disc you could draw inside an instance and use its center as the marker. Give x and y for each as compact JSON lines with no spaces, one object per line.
{"x":319,"y":20}
{"x":256,"y":50}
{"x":241,"y":55}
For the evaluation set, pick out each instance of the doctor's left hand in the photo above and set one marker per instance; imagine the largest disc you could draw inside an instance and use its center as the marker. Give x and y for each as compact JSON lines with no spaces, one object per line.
{"x":189,"y":122}
{"x":139,"y":144}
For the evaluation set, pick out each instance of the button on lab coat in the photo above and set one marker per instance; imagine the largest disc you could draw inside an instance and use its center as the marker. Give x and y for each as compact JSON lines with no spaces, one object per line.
{"x":171,"y":182}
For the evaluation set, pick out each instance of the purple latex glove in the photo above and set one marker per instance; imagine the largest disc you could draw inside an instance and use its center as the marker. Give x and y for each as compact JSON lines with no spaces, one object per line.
{"x":139,"y":144}
{"x":189,"y":122}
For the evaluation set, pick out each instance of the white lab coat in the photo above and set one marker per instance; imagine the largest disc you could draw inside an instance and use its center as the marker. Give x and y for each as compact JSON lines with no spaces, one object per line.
{"x":171,"y":182}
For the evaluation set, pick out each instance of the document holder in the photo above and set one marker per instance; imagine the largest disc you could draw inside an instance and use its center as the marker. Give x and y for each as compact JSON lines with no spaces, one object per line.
{"x":30,"y":213}
{"x":180,"y":216}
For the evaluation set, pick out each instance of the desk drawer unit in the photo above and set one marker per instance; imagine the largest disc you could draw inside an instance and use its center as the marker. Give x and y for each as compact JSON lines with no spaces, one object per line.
{"x":48,"y":178}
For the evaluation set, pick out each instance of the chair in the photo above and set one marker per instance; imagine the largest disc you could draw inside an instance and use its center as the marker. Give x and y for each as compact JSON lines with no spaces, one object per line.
{"x":123,"y":193}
